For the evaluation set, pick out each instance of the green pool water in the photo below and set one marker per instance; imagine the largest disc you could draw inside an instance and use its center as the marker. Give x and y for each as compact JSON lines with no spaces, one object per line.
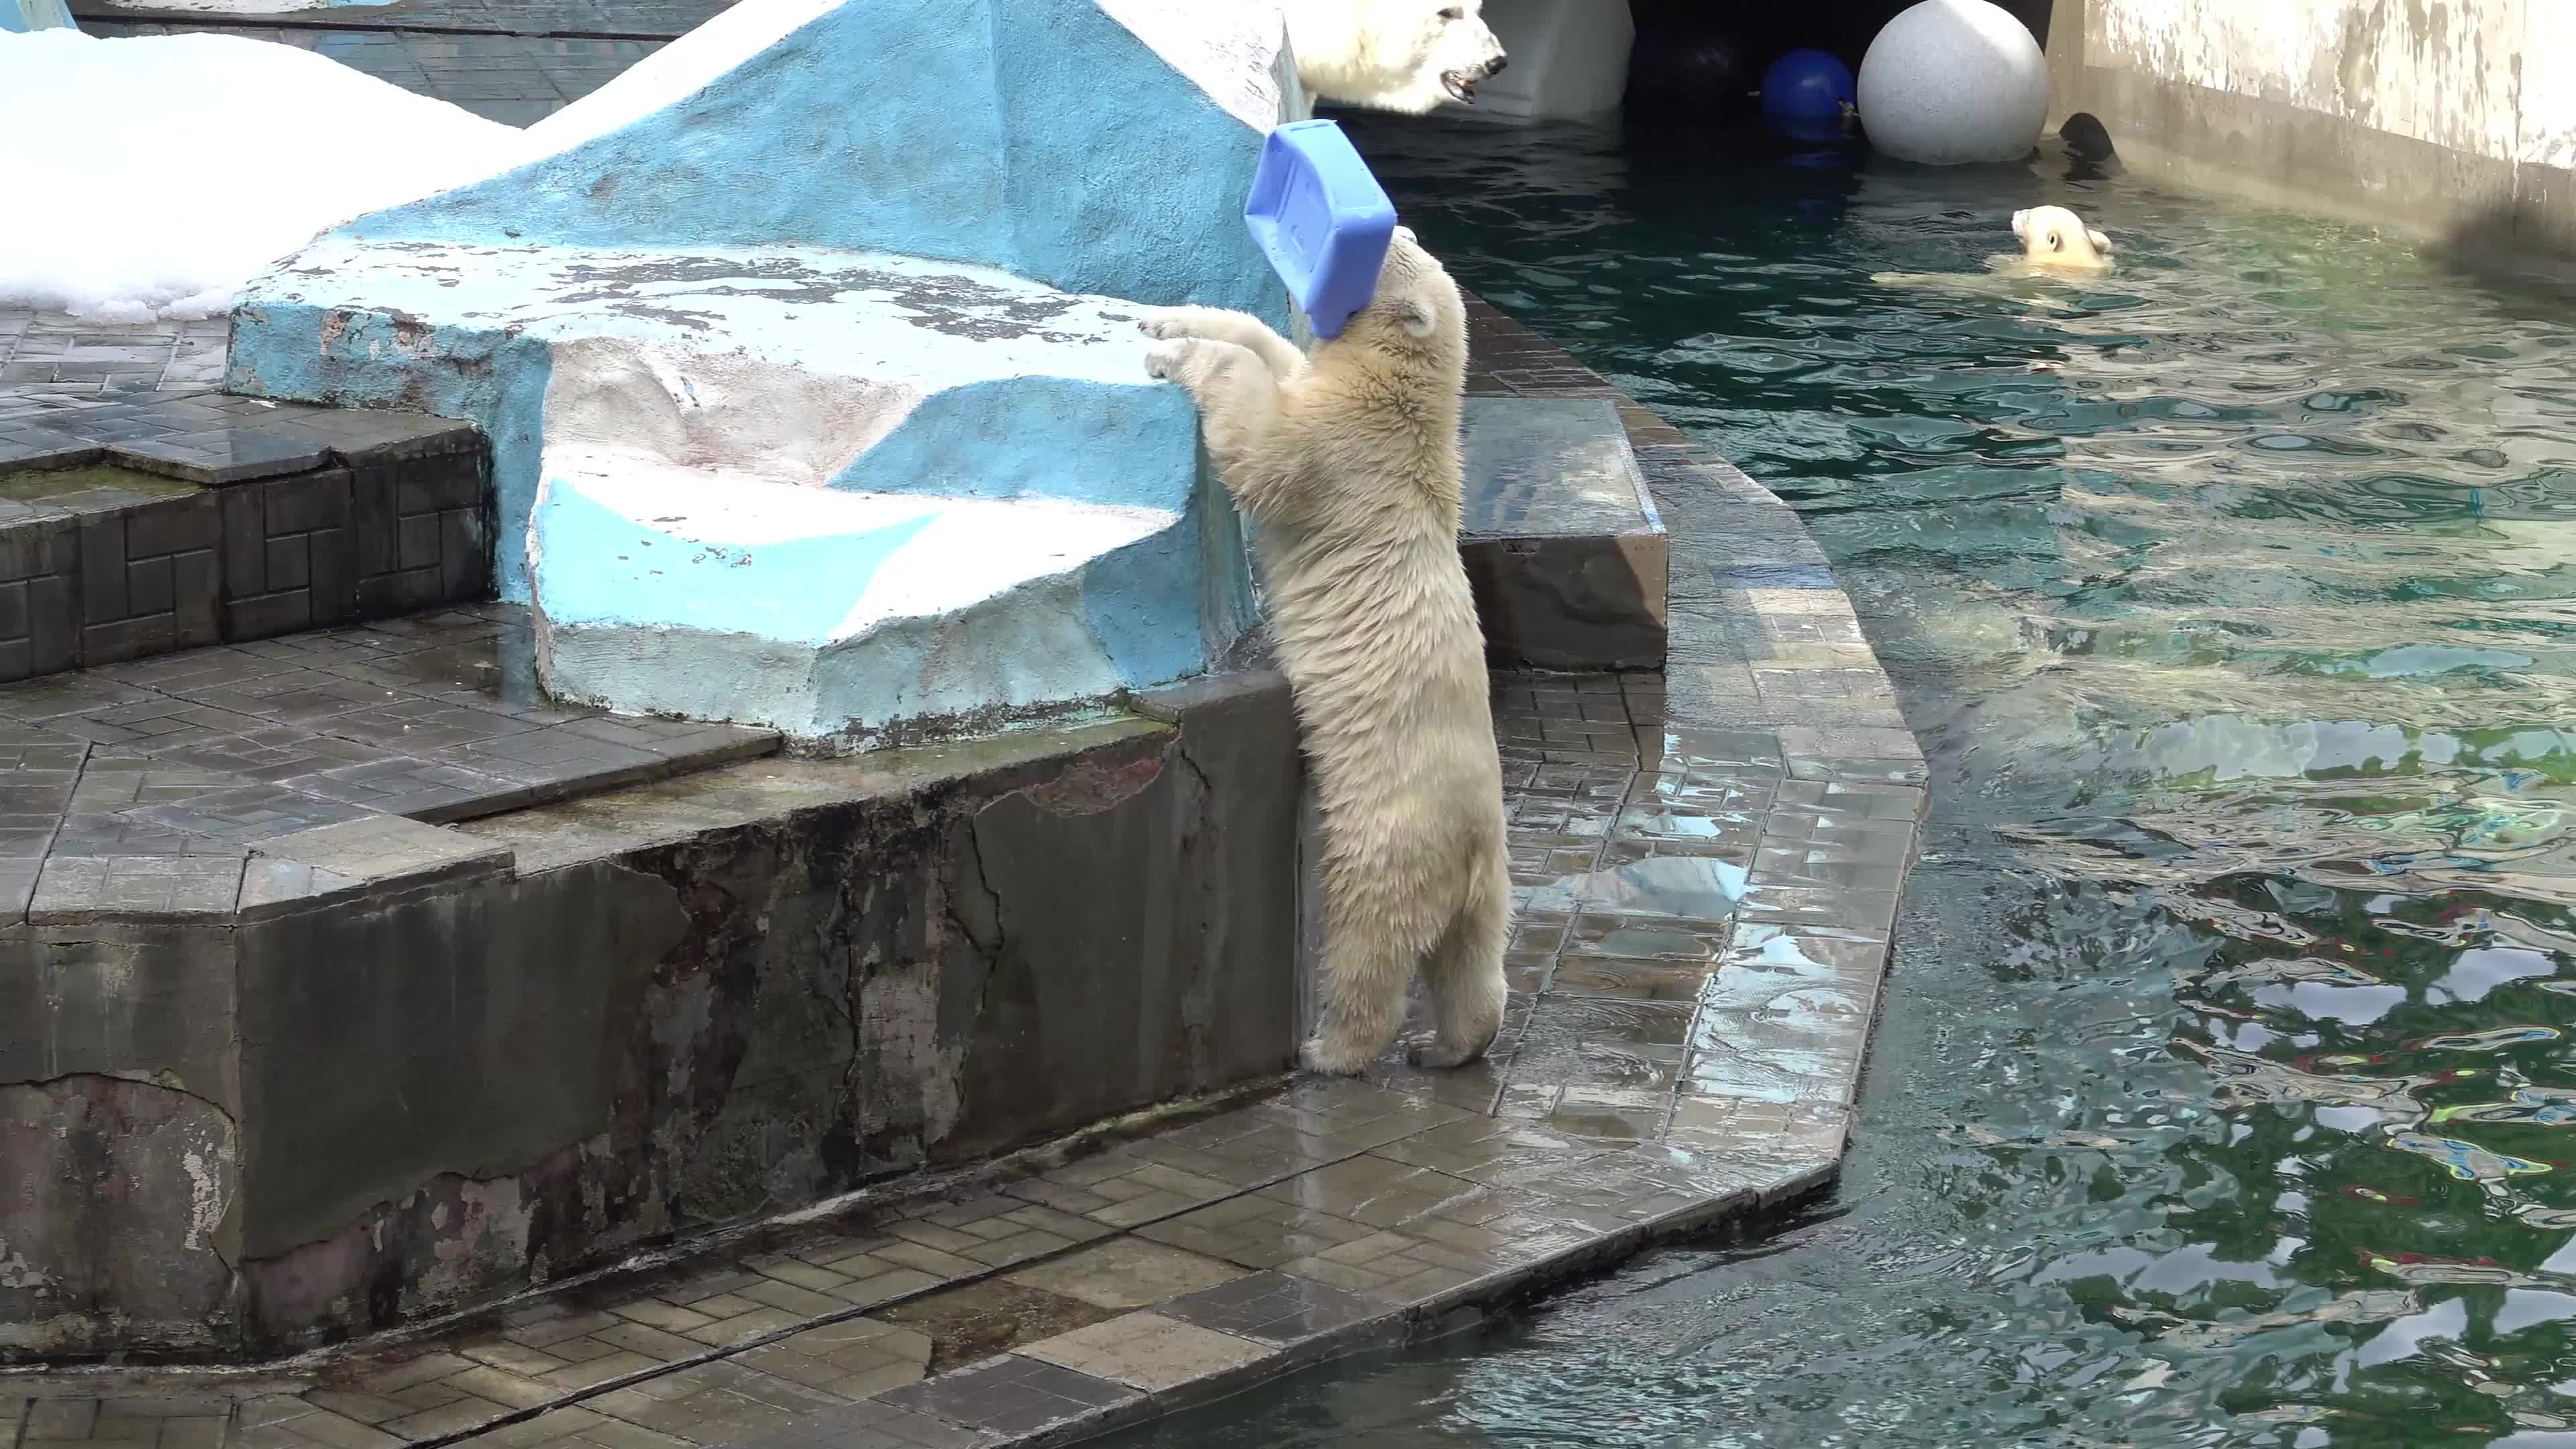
{"x":2224,"y":1093}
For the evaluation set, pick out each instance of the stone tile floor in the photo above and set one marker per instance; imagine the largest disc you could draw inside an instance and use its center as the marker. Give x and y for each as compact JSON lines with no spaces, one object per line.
{"x":143,"y":786}
{"x":53,"y":353}
{"x":1701,"y":937}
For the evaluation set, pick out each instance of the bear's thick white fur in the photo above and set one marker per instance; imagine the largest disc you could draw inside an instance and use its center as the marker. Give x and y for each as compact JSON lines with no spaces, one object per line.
{"x":1391,"y":55}
{"x":1348,"y":462}
{"x":2052,"y":236}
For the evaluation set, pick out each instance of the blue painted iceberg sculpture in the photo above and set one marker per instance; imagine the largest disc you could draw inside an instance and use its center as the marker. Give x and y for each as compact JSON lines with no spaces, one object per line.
{"x":807,"y":350}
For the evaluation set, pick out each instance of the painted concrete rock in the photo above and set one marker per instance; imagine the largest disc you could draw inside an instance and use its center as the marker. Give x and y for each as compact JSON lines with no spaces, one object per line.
{"x":807,"y":352}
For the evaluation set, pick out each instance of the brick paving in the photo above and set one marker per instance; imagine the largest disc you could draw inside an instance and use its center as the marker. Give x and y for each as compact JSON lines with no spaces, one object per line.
{"x":260,"y":772}
{"x":53,"y":353}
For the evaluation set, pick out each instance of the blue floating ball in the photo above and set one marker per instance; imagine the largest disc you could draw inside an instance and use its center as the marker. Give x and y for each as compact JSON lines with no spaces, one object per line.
{"x":1807,"y":85}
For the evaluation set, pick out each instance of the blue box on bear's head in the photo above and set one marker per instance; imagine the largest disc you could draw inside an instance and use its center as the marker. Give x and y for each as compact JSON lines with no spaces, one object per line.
{"x":1320,"y":216}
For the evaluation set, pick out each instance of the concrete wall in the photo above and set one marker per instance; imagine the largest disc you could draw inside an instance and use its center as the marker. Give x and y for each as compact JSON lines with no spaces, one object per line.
{"x":2452,"y":119}
{"x":628,"y":1019}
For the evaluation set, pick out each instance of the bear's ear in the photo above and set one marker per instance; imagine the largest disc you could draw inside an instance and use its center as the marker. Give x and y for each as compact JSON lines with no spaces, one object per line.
{"x":2101,"y":243}
{"x":1417,"y":316}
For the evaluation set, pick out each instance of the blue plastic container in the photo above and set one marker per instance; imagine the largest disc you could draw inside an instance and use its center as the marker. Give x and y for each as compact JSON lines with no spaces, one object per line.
{"x":1318,"y":213}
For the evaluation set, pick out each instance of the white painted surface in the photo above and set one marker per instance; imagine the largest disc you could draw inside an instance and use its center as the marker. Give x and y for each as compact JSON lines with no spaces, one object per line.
{"x":1240,"y":67}
{"x":958,"y":552}
{"x":1569,"y":58}
{"x":676,"y":588}
{"x":2491,"y":78}
{"x":108,"y":219}
{"x":2548,"y":101}
{"x":761,"y":303}
{"x":1954,"y":82}
{"x":677,"y":70}
{"x":756,"y":419}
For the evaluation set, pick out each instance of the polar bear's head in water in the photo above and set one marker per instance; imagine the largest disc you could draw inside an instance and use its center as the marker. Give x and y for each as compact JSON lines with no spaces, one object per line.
{"x":1392,"y":55}
{"x":2052,"y":236}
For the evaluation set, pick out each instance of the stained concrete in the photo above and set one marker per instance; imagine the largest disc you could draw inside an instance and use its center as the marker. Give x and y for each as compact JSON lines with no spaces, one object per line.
{"x":2435,"y":118}
{"x":427,"y":1067}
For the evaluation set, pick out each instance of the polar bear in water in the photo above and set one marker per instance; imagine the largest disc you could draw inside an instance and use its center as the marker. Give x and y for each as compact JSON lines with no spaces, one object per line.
{"x":2055,"y":244}
{"x":2057,"y":239}
{"x":1392,"y":55}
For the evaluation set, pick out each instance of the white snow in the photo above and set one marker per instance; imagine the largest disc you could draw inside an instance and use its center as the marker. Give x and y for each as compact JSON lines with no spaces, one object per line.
{"x":151,"y":176}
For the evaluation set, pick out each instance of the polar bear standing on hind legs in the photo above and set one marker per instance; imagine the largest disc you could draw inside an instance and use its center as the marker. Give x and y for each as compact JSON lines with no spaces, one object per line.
{"x":1348,"y":460}
{"x":1392,"y":55}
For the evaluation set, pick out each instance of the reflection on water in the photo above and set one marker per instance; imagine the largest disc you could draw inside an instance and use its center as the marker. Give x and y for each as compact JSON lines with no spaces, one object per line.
{"x":2225,"y":1094}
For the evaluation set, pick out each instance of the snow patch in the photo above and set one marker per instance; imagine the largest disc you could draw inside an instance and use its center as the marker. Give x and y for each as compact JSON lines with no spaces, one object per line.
{"x":115,"y":221}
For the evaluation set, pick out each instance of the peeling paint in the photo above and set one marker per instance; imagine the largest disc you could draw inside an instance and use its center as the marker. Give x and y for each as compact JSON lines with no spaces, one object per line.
{"x":113,"y":1215}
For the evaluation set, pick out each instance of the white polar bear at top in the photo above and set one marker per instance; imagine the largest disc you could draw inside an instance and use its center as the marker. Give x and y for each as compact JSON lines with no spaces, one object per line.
{"x":1348,"y":462}
{"x":1392,"y":55}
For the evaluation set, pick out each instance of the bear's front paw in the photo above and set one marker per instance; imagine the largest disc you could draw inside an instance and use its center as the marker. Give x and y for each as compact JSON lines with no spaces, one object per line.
{"x":1166,"y":360}
{"x":1164,"y":322}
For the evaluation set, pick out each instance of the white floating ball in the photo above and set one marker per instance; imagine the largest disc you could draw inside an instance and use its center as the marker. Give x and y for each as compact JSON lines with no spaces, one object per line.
{"x":1952,"y":82}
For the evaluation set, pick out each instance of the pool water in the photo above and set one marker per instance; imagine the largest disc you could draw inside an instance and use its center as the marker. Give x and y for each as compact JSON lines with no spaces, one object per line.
{"x":2224,"y":1093}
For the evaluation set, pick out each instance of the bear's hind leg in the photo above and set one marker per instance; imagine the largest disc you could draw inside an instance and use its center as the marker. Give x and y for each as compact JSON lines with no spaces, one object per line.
{"x":1364,"y":985}
{"x":1376,"y":931}
{"x":1465,"y":970}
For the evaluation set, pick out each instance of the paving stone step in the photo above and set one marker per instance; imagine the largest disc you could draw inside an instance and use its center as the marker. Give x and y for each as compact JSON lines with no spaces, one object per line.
{"x":135,"y":524}
{"x":1562,"y":543}
{"x":144,"y":786}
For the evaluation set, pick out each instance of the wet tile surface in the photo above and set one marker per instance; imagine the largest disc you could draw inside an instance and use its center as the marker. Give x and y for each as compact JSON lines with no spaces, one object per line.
{"x":1011,"y":1396}
{"x":1276,"y":1308}
{"x":288,"y":768}
{"x":1148,"y":1351}
{"x":1127,"y":1272}
{"x":1555,"y":466}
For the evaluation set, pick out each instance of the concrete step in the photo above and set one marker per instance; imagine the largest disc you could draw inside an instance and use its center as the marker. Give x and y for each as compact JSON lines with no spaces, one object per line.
{"x":136,"y":524}
{"x":665,"y":587}
{"x":145,"y":785}
{"x":1563,"y":546}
